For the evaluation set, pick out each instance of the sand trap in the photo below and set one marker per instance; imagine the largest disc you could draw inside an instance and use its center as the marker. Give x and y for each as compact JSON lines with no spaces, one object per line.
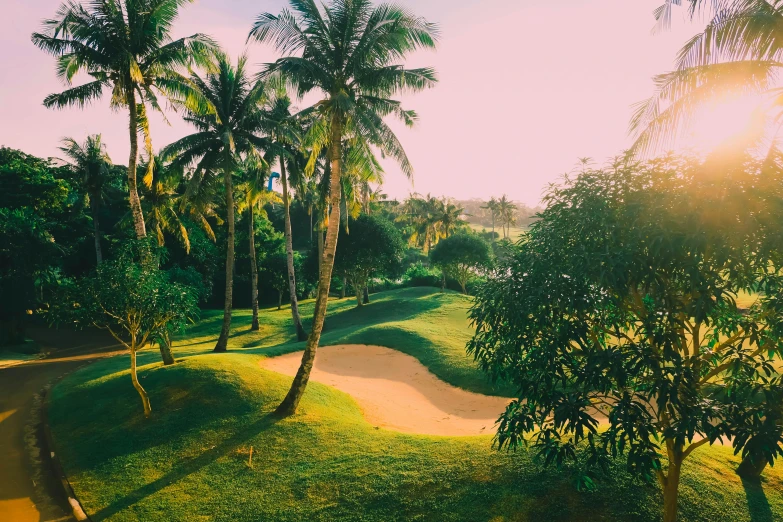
{"x":396,"y":391}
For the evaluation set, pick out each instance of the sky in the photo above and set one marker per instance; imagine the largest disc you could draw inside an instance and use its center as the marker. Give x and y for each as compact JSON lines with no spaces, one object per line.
{"x":525,"y":88}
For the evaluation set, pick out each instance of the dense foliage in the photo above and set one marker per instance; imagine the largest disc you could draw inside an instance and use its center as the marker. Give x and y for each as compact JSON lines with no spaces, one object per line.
{"x":617,"y":317}
{"x":373,"y":248}
{"x":462,"y":256}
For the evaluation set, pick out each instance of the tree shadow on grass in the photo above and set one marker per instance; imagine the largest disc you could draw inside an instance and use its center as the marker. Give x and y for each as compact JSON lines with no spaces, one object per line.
{"x":758,"y":505}
{"x":189,"y":467}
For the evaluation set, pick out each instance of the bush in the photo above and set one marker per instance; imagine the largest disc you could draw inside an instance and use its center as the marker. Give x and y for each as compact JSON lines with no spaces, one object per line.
{"x":420,"y":275}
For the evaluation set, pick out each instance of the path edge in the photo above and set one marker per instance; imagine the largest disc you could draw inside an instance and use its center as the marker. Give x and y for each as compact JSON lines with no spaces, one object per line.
{"x":76,"y":508}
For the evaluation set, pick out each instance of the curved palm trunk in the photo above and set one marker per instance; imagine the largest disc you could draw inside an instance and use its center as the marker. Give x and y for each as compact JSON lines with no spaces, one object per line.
{"x":145,"y":400}
{"x":222,"y":343}
{"x":289,"y":251}
{"x":133,"y":192}
{"x":291,"y":401}
{"x":96,"y":229}
{"x":253,"y":269}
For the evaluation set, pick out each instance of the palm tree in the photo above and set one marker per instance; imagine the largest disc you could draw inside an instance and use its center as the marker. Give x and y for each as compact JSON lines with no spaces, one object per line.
{"x":740,"y":51}
{"x":163,"y":204}
{"x":92,"y":162}
{"x":224,"y":108}
{"x":125,"y":46}
{"x":506,"y":209}
{"x":492,"y":206}
{"x":449,"y":218}
{"x":346,"y":50}
{"x":284,"y":131}
{"x":254,"y":195}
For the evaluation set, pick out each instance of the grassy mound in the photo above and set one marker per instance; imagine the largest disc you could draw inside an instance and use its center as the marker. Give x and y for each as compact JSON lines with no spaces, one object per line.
{"x":190,"y":461}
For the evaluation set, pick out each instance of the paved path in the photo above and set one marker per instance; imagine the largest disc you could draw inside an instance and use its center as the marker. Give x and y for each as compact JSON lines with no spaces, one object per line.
{"x":29,"y":492}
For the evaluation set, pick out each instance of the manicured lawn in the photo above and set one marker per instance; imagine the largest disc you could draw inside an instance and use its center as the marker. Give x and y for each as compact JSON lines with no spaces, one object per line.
{"x":190,"y":460}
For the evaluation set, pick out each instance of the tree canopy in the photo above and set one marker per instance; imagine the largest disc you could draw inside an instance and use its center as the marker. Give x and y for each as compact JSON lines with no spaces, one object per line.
{"x":462,"y":256}
{"x":372,"y":248}
{"x":621,"y":307}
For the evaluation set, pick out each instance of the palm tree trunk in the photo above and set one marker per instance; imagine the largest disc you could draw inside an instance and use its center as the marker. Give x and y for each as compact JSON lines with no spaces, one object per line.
{"x":96,"y":229}
{"x":289,"y":251}
{"x":253,"y":269}
{"x":222,"y":343}
{"x":133,"y":192}
{"x":145,"y":400}
{"x":291,"y":401}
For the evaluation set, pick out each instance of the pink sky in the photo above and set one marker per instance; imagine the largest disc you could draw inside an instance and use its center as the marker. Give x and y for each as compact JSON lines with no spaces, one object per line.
{"x":525,"y":87}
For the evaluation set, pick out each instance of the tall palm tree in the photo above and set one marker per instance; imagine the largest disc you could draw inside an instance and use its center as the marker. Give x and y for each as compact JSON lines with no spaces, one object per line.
{"x":254,"y":195}
{"x":449,"y":218}
{"x":125,"y":46}
{"x":492,"y":206}
{"x":740,"y":51}
{"x":224,"y":106}
{"x":348,"y":51}
{"x":91,"y":162}
{"x":506,"y":210}
{"x":284,"y":131}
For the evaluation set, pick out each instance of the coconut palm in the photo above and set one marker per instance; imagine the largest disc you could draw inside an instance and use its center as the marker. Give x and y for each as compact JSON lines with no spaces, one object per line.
{"x":284,"y":130}
{"x":449,"y":217}
{"x":506,"y":209}
{"x":492,"y":206}
{"x":126,"y":47}
{"x":739,"y":52}
{"x":91,"y":162}
{"x":254,"y":172}
{"x":224,"y":106}
{"x":348,"y":51}
{"x":164,"y":205}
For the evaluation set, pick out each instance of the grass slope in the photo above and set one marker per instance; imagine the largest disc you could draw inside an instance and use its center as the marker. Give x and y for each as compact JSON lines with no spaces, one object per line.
{"x":190,"y":460}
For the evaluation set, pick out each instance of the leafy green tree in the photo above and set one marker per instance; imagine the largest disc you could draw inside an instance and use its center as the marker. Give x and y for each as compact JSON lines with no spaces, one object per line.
{"x":348,"y":52}
{"x":132,"y":299}
{"x":620,"y":307}
{"x":506,"y":210}
{"x":91,"y":162}
{"x":124,"y":46}
{"x":462,"y":256}
{"x":224,"y":108}
{"x":275,"y":266}
{"x":27,"y":252}
{"x":373,"y":248}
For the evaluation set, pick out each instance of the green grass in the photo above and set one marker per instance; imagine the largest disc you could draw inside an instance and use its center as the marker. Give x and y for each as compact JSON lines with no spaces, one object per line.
{"x":514,"y":232}
{"x":190,"y":460}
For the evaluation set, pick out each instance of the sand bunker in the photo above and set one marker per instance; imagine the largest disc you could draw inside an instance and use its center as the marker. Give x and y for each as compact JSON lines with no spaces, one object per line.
{"x":396,"y":391}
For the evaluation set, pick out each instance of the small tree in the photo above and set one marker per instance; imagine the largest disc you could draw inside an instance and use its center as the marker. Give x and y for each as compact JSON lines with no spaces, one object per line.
{"x":462,"y":256}
{"x":373,"y":247}
{"x":275,"y":267}
{"x":620,"y":307}
{"x":132,"y":299}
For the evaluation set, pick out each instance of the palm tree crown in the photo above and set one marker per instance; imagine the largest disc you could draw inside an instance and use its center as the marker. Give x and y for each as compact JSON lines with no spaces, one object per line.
{"x":126,"y":47}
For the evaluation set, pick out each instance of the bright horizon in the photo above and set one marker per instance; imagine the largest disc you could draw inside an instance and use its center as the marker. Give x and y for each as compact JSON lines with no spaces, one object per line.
{"x":524,"y":91}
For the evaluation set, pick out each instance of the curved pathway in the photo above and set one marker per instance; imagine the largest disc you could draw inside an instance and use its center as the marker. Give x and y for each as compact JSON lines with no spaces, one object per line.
{"x":396,"y":391}
{"x":28,"y":491}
